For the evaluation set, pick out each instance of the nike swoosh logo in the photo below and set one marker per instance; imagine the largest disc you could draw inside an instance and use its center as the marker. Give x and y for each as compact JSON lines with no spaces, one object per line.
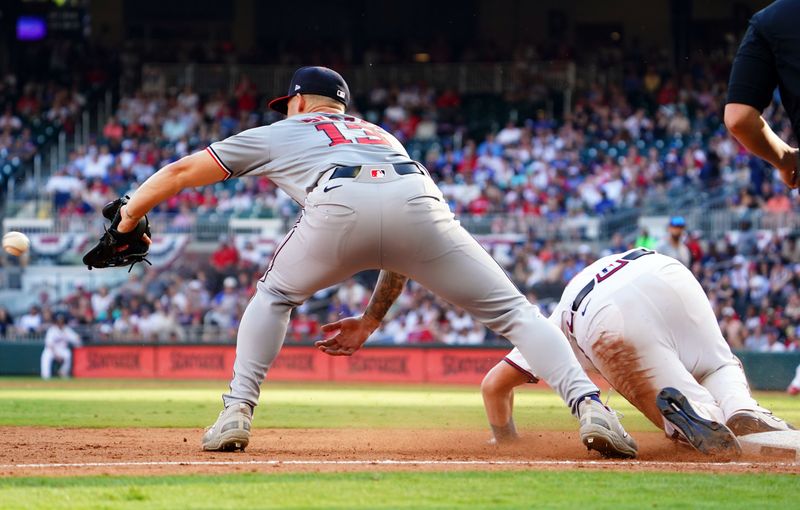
{"x":328,"y":188}
{"x":585,"y":307}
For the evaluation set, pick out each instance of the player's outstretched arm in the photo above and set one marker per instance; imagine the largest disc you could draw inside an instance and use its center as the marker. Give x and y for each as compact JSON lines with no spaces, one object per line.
{"x":748,"y":126}
{"x":754,"y":76}
{"x":198,"y":169}
{"x":354,"y":331}
{"x":497,"y":390}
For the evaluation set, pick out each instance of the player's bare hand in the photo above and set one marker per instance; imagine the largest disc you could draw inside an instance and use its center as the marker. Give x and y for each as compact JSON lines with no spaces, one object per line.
{"x":351,"y":333}
{"x":790,"y":169}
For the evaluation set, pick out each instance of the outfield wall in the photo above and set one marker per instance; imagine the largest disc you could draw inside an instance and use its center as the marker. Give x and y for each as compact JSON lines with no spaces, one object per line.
{"x":399,"y":364}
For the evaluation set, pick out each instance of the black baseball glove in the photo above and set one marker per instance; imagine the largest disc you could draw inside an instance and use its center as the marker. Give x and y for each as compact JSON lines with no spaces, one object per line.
{"x":118,"y":249}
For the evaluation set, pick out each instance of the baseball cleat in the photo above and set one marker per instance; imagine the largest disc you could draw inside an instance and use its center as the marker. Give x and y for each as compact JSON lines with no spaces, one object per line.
{"x":231,"y":431}
{"x":793,"y":390}
{"x":707,"y":436}
{"x":753,"y":422}
{"x":601,"y":431}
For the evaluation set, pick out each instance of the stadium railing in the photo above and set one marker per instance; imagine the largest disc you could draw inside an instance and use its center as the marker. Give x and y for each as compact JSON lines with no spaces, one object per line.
{"x":203,"y":227}
{"x":712,"y":222}
{"x":98,"y":334}
{"x":466,"y":78}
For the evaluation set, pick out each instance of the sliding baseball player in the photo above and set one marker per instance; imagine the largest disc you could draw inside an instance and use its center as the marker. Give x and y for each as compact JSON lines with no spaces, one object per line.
{"x":644,"y":322}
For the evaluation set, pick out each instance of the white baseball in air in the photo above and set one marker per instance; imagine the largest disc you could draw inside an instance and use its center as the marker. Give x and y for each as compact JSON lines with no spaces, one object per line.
{"x":16,"y":243}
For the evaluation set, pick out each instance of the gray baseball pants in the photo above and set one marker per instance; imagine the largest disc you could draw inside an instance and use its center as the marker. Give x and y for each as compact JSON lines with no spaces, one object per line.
{"x":401,"y":224}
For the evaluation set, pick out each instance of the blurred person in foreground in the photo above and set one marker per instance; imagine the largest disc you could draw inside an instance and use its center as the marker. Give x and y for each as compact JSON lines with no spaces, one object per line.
{"x":643,"y":320}
{"x":768,"y":57}
{"x":57,"y":342}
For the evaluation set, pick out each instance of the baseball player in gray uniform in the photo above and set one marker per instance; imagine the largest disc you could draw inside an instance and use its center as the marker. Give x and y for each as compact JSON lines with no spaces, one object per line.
{"x":366,"y":205}
{"x":643,"y":320}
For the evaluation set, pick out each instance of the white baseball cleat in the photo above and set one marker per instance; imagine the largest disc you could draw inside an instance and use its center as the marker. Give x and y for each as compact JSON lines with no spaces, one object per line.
{"x":753,"y":422}
{"x":601,"y":431}
{"x":231,"y":431}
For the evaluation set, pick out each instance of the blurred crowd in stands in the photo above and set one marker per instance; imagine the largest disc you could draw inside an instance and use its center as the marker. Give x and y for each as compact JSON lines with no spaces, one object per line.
{"x":48,"y":90}
{"x":30,"y":112}
{"x":620,"y":147}
{"x":751,"y":278}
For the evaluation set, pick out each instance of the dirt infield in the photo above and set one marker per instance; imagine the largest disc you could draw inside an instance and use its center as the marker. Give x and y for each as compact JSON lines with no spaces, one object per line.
{"x":59,"y":451}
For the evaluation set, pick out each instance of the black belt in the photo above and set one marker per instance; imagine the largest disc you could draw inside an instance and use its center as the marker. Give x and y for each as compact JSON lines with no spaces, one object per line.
{"x":635,"y":254}
{"x":351,"y":172}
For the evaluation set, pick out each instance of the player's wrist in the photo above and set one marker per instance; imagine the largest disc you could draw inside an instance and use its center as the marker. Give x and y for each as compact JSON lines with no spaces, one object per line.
{"x":128,"y":220}
{"x":370,"y":322}
{"x":128,"y":215}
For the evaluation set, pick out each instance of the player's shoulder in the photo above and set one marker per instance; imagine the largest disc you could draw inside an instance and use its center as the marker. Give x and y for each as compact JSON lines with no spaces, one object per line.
{"x":255,"y":132}
{"x":777,"y":17}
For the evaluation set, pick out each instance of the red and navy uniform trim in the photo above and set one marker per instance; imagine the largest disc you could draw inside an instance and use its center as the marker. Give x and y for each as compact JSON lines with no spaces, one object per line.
{"x":531,"y":378}
{"x":219,"y":162}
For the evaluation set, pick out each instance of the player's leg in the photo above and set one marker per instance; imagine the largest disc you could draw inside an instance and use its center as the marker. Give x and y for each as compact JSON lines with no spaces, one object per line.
{"x":706,"y":354}
{"x":742,"y":413}
{"x":66,"y":362}
{"x":317,"y":253}
{"x":46,"y":363}
{"x":730,"y":389}
{"x":639,"y":373}
{"x":439,"y":254}
{"x":497,"y":389}
{"x":631,"y":339}
{"x":627,"y":340}
{"x":444,"y":258}
{"x":699,"y":342}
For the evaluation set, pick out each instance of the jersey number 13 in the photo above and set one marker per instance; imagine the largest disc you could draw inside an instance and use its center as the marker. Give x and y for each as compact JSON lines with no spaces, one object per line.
{"x":353,"y":132}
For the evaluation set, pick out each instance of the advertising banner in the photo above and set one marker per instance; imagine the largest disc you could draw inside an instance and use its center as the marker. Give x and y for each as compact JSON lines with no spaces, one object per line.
{"x":194,"y":361}
{"x":301,"y":363}
{"x":111,"y":361}
{"x":466,"y":366}
{"x":294,"y":363}
{"x":380,"y":365}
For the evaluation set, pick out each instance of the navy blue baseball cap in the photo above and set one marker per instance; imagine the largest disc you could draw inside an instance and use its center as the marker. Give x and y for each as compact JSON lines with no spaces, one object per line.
{"x":316,"y":80}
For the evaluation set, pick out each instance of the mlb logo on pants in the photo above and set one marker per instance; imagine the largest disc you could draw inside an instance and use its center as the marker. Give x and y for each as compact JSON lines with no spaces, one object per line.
{"x":376,"y":173}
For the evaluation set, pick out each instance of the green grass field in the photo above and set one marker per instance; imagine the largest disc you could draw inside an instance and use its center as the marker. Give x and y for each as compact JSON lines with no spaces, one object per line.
{"x":474,"y":489}
{"x":115,"y":403}
{"x":84,"y":403}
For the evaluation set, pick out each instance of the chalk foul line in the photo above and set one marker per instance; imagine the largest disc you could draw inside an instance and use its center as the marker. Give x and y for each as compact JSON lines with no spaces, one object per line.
{"x":391,"y":462}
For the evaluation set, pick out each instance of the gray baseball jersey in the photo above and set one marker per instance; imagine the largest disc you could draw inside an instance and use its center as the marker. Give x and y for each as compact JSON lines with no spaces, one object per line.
{"x":377,"y":219}
{"x":295,"y":152}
